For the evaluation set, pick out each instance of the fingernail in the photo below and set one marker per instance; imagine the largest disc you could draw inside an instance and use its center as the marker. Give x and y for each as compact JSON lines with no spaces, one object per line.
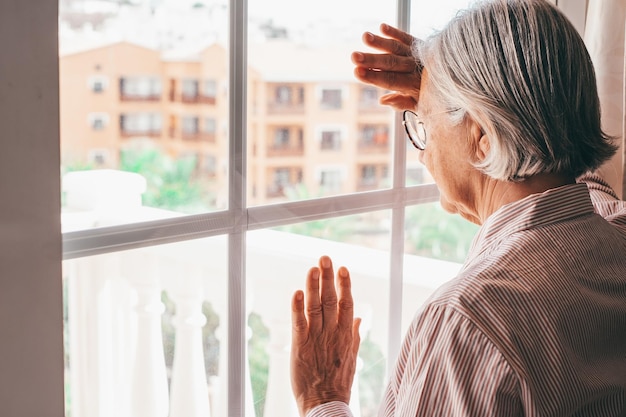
{"x":299,"y":296}
{"x":343,"y":272}
{"x":369,"y":36}
{"x":358,"y":57}
{"x":384,"y":26}
{"x":361,"y":72}
{"x":326,"y":262}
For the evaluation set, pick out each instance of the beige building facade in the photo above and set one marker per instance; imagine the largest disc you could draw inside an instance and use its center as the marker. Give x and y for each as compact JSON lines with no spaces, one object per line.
{"x":309,"y":134}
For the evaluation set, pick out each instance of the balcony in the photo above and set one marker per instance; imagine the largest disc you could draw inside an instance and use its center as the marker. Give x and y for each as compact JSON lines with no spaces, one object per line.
{"x":150,"y":133}
{"x":116,"y":312}
{"x":283,"y":151}
{"x":126,"y":97}
{"x":285,"y":108}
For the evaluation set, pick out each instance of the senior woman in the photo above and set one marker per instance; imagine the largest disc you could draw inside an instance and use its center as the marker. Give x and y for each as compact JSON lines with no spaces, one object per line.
{"x":504,"y":110}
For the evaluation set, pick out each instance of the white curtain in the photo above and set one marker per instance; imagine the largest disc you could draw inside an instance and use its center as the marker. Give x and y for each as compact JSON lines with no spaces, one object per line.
{"x":604,"y":35}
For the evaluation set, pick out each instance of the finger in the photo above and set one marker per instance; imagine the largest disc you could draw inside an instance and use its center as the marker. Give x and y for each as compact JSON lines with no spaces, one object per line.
{"x":328,"y":293}
{"x":313,"y":306}
{"x":356,"y":336}
{"x":385,"y":62}
{"x":396,"y":81}
{"x":345,"y":309}
{"x":392,"y":46}
{"x":396,"y":33}
{"x":399,"y":102}
{"x":299,"y":333}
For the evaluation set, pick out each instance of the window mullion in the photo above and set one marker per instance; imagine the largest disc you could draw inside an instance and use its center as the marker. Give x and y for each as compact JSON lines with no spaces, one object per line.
{"x":238,"y":50}
{"x":396,"y":262}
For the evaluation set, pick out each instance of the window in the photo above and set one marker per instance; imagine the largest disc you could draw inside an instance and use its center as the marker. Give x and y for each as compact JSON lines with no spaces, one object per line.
{"x":209,"y":89}
{"x":170,"y":247}
{"x":190,"y":89}
{"x":98,"y":121}
{"x":283,"y":94}
{"x":97,"y":83}
{"x":99,"y":157}
{"x":140,"y":123}
{"x":331,"y":140}
{"x":281,"y":138}
{"x":331,"y":98}
{"x":190,"y":125}
{"x":140,"y":88}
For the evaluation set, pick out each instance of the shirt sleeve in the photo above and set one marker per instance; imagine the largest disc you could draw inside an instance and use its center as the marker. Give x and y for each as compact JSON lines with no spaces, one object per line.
{"x":331,"y":409}
{"x":450,"y":368}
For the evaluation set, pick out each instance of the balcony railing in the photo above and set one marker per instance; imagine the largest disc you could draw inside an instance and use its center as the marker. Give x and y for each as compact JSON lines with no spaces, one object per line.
{"x":139,"y":97}
{"x":115,"y":310}
{"x":285,"y":108}
{"x":279,"y":151}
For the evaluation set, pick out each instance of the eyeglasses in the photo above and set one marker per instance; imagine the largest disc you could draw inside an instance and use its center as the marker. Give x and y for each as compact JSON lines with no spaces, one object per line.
{"x":415,"y":127}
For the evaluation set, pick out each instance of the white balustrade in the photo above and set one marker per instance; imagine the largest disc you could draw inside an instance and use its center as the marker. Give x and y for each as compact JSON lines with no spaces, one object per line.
{"x":189,"y":390}
{"x":149,"y":391}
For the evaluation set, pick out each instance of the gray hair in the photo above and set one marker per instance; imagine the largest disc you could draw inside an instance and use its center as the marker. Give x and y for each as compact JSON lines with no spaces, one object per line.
{"x":520,"y":69}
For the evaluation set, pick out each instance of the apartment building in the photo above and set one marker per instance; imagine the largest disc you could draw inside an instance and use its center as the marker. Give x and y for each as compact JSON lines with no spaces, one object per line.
{"x":305,"y":126}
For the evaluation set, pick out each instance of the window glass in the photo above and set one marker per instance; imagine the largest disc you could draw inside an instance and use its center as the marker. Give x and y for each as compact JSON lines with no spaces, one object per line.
{"x":307,"y":111}
{"x":278,"y":261}
{"x":145,"y":331}
{"x":146,"y":75}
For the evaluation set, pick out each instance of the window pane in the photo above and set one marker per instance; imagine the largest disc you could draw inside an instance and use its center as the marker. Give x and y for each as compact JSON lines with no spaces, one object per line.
{"x":143,"y":90}
{"x":278,"y":261}
{"x":145,"y":331}
{"x":308,"y":114}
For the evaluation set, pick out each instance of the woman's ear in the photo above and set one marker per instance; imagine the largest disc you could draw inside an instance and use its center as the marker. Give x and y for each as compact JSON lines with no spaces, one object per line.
{"x":480,"y":141}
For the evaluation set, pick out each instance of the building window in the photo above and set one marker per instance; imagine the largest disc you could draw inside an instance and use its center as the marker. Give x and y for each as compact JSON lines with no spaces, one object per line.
{"x":210,"y":125}
{"x":209,"y":89}
{"x":331,"y":98}
{"x":368,"y":175}
{"x":190,"y":90}
{"x":98,"y":83}
{"x":368,"y":96}
{"x":135,"y":124}
{"x":140,"y":88}
{"x":283,"y":94}
{"x":190,"y":125}
{"x":98,"y":121}
{"x":209,"y":165}
{"x":331,"y":140}
{"x":281,"y":138}
{"x":98,"y":157}
{"x":331,"y":179}
{"x":374,"y":135}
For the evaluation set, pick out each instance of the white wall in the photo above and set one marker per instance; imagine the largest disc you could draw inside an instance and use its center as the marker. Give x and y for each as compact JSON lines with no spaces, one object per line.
{"x":31,"y":350}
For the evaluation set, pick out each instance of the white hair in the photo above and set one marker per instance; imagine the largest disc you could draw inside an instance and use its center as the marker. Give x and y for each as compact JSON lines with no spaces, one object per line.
{"x":521,"y":71}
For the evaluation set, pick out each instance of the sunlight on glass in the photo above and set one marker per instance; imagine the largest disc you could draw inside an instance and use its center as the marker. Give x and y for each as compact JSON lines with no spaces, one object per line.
{"x":146,"y":330}
{"x":143,"y":90}
{"x":278,"y":261}
{"x":313,"y":129}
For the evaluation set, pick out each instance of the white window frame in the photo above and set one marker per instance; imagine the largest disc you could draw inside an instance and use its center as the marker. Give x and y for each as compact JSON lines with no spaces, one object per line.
{"x":229,"y":223}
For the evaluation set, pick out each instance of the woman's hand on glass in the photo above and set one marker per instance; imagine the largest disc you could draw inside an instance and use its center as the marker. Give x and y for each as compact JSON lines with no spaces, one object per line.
{"x":395,"y":69}
{"x":325,"y":338}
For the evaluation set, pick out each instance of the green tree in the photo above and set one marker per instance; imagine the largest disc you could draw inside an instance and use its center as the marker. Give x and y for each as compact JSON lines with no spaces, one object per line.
{"x":171,"y":183}
{"x":432,"y":232}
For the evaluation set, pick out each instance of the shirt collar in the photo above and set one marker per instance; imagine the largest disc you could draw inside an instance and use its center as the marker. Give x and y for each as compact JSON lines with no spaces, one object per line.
{"x":537,"y":210}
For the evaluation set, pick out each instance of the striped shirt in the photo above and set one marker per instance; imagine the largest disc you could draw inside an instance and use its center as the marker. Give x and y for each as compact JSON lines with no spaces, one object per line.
{"x":533,"y":325}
